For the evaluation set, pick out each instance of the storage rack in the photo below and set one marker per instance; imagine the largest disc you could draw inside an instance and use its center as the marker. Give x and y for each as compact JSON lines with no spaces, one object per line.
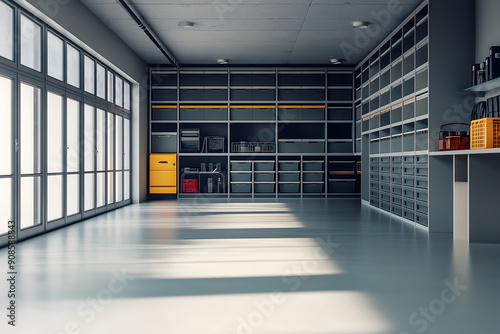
{"x":282,"y":114}
{"x":401,"y":91}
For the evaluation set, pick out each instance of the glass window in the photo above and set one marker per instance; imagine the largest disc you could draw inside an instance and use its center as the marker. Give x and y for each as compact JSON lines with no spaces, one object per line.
{"x":31,"y":206}
{"x":72,"y":135}
{"x":119,"y":142}
{"x":101,"y":189}
{"x":89,"y":198}
{"x":72,"y":66}
{"x":111,"y":144}
{"x":126,"y":185}
{"x":89,"y":141}
{"x":101,"y":81}
{"x":89,"y":75}
{"x":111,"y":189}
{"x":55,"y":56}
{"x":126,"y":144}
{"x":126,"y":95}
{"x":101,"y":140}
{"x":119,"y":91}
{"x":54,"y":197}
{"x":73,"y":194}
{"x":7,"y":29}
{"x":6,"y":134}
{"x":110,"y":86}
{"x":31,"y":41}
{"x":119,"y":186}
{"x":54,"y":133}
{"x":30,"y":130}
{"x":6,"y":213}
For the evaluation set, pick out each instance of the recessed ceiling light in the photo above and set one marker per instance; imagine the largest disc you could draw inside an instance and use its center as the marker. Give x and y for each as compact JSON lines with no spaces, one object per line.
{"x":360,"y":24}
{"x":222,"y":61}
{"x":186,"y":24}
{"x":335,"y":61}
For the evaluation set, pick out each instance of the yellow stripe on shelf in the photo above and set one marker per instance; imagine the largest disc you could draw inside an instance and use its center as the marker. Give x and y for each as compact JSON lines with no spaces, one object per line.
{"x":163,"y":107}
{"x":202,"y":107}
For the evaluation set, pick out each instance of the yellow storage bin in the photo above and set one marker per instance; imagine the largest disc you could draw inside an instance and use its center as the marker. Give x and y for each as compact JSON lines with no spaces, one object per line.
{"x":163,"y":173}
{"x":163,"y":161}
{"x":485,"y":133}
{"x":163,"y":190}
{"x":162,"y":178}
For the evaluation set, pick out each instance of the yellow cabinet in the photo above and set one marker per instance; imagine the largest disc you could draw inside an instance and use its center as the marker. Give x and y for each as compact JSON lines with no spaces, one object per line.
{"x":163,"y":173}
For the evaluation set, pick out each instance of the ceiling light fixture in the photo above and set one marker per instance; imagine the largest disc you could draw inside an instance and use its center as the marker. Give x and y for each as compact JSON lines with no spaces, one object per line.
{"x":360,"y":24}
{"x":222,"y":61}
{"x":336,"y":61}
{"x":186,"y":24}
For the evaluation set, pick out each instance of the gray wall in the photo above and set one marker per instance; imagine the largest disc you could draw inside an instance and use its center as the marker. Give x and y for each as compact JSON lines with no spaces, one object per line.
{"x":487,"y":27}
{"x":81,"y":23}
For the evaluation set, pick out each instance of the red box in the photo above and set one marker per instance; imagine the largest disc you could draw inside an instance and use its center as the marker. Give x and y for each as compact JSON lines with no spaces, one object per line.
{"x":190,"y":185}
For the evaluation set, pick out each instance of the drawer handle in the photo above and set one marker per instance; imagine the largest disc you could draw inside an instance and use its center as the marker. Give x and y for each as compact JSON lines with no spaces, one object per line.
{"x":163,"y":162}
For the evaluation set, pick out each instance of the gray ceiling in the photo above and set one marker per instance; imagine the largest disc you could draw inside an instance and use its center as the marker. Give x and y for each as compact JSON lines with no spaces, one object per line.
{"x":256,"y":32}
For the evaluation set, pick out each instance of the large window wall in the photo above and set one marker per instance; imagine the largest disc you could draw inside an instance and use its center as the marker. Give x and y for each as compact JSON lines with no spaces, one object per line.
{"x":65,"y":129}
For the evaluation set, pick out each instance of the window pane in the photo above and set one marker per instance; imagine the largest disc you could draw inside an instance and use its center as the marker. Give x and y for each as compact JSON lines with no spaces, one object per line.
{"x":73,"y":136}
{"x":30,"y":127}
{"x":110,"y":86}
{"x":89,"y":75}
{"x":119,"y":186}
{"x":31,"y":34}
{"x":73,"y":66}
{"x":111,"y":144}
{"x":119,"y":142}
{"x":73,"y":194}
{"x":111,"y":187}
{"x":101,"y":140}
{"x":55,"y":57}
{"x":126,"y":185}
{"x":6,"y":126}
{"x":54,"y":133}
{"x":6,"y":213}
{"x":126,"y":144}
{"x":89,"y":144}
{"x":54,"y":197}
{"x":30,"y":211}
{"x":89,"y":192}
{"x":7,"y":29}
{"x":101,"y":81}
{"x":126,"y":96}
{"x":119,"y":92}
{"x":101,"y":189}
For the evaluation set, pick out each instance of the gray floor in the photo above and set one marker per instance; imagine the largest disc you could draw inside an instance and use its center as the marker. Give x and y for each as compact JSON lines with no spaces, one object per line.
{"x":285,"y":267}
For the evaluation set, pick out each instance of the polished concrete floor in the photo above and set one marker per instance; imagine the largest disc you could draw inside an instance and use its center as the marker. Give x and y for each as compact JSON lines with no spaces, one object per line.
{"x":281,"y":267}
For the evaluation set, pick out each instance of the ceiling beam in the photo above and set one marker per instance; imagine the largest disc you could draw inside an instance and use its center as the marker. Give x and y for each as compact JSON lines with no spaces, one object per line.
{"x":134,"y":14}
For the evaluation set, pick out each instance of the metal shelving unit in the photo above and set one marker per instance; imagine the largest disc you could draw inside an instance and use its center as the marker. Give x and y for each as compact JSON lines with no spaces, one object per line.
{"x":307,"y":114}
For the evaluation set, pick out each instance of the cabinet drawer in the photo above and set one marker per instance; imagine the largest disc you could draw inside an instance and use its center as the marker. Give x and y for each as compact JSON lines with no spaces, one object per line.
{"x":422,"y":195}
{"x":385,"y":187}
{"x":163,"y":162}
{"x":408,"y":193}
{"x":409,"y":181}
{"x":421,"y":171}
{"x":397,"y":190}
{"x":421,"y":207}
{"x":397,"y":210}
{"x":422,"y":182}
{"x":422,"y":219}
{"x":162,"y":178}
{"x":408,"y":214}
{"x":397,"y":200}
{"x":422,"y":159}
{"x":162,"y":190}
